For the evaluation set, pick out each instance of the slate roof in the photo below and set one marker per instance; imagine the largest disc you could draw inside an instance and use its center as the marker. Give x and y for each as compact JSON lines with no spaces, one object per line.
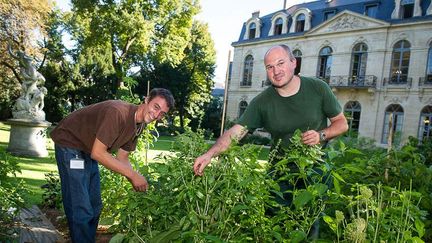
{"x":318,"y":8}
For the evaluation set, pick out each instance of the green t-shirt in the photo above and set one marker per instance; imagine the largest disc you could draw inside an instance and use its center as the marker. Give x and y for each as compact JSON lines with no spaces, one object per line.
{"x":281,"y":116}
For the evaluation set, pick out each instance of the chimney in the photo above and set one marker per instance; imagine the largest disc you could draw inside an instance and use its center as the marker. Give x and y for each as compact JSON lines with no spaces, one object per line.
{"x":255,"y":14}
{"x":284,"y":6}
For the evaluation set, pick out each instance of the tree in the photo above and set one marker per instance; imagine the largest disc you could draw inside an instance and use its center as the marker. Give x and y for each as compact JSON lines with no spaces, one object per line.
{"x":211,"y":121}
{"x":62,"y":81}
{"x":115,"y":36}
{"x":190,"y":80}
{"x":21,"y":22}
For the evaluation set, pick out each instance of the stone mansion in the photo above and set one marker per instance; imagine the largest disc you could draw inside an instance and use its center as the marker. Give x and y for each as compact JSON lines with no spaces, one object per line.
{"x":376,"y":55}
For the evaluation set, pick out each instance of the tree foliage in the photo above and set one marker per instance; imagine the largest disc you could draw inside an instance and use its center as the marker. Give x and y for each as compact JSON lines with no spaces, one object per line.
{"x":62,"y":81}
{"x":21,"y":23}
{"x":110,"y":41}
{"x":114,"y":36}
{"x":190,"y":80}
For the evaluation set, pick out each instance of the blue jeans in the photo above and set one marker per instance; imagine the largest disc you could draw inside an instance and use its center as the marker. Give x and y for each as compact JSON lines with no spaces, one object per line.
{"x":81,"y":193}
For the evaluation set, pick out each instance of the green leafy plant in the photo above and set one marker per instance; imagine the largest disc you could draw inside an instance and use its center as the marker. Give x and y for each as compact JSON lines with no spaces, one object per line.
{"x":226,"y":204}
{"x":11,"y":200}
{"x":232,"y":201}
{"x":305,"y":174}
{"x":51,"y":198}
{"x":383,"y":214}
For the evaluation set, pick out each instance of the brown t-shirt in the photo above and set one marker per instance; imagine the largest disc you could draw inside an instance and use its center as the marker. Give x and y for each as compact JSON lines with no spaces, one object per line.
{"x":112,"y":122}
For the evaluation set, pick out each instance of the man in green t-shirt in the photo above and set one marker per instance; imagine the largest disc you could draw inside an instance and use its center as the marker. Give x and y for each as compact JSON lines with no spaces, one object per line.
{"x":291,"y":103}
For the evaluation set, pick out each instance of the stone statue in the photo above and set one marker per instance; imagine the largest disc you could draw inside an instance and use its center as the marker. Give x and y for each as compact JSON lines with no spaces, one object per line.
{"x":31,"y":101}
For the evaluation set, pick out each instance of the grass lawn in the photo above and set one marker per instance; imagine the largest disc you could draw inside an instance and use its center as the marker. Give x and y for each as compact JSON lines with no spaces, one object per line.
{"x":32,"y":169}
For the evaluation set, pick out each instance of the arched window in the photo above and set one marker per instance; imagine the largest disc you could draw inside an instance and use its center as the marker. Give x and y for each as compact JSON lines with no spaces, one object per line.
{"x":400,"y":62}
{"x":278,"y":26}
{"x":425,"y":125}
{"x":324,"y":63}
{"x":352,"y":111}
{"x":429,"y":65}
{"x":252,"y":30}
{"x":298,"y":56}
{"x":300,"y":23}
{"x":358,"y":63}
{"x":393,"y":121}
{"x":247,"y":71}
{"x":242,"y":107}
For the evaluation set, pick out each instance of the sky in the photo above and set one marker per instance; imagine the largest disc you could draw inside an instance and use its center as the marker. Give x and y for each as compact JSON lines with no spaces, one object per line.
{"x":225,"y":19}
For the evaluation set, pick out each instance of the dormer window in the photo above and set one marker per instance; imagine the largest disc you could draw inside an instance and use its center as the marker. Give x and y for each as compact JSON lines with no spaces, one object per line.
{"x":278,"y":26}
{"x":302,"y":18}
{"x":371,"y":10}
{"x":329,"y":14}
{"x":407,"y":9}
{"x":253,"y":27}
{"x":252,"y":30}
{"x":300,"y":23}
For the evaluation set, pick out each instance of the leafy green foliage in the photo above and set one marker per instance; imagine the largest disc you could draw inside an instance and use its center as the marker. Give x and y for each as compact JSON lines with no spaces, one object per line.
{"x":379,"y":214}
{"x":11,"y":191}
{"x":191,"y":79}
{"x":21,"y":23}
{"x":114,"y":36}
{"x":227,"y":203}
{"x":236,"y":198}
{"x":211,"y":122}
{"x":52,"y":191}
{"x":304,"y":177}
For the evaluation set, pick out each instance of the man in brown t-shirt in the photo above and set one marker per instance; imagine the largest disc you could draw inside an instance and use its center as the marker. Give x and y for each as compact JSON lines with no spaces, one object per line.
{"x":90,"y":135}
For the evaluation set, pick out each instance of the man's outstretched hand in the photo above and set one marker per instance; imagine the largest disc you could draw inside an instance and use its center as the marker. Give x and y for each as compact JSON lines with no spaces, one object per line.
{"x":200,"y":164}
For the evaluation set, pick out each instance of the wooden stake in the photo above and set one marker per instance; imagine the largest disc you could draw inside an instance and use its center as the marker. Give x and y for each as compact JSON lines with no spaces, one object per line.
{"x":225,"y":93}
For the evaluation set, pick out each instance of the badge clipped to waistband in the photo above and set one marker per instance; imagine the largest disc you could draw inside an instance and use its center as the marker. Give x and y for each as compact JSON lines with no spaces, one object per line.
{"x":76,"y":163}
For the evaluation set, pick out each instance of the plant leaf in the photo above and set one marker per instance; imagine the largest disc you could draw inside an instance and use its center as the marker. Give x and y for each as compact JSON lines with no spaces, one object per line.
{"x":420,"y":227}
{"x":302,"y":199}
{"x":330,"y":222}
{"x":118,"y":238}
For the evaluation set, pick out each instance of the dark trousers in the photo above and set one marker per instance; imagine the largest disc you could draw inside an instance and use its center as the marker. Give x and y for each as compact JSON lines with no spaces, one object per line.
{"x":80,"y":192}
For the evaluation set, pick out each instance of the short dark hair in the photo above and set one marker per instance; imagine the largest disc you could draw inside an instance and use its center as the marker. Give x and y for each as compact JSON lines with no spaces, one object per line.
{"x":286,"y":48}
{"x":165,"y":94}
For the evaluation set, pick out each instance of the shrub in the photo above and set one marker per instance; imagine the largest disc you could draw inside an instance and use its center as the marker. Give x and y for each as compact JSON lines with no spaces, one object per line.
{"x":52,"y":198}
{"x":11,"y":191}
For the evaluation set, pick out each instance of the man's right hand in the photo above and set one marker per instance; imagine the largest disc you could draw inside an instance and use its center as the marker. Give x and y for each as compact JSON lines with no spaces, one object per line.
{"x":200,"y":163}
{"x":138,"y":182}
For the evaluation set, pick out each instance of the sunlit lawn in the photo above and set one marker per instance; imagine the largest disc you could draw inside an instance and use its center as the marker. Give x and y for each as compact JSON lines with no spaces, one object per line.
{"x":32,"y":169}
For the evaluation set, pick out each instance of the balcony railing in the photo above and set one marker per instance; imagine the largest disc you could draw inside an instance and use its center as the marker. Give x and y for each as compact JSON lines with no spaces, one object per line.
{"x":325,"y":79}
{"x":367,"y":81}
{"x":425,"y":81}
{"x":265,"y":83}
{"x":398,"y":81}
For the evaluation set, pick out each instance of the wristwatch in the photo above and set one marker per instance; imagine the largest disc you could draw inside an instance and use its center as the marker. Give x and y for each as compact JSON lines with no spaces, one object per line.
{"x":322,"y":136}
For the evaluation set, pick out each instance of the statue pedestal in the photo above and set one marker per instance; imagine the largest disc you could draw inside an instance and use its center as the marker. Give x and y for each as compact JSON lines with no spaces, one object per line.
{"x":27,"y":137}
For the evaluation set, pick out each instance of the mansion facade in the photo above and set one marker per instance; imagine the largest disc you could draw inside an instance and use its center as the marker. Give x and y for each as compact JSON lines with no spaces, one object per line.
{"x":376,"y":55}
